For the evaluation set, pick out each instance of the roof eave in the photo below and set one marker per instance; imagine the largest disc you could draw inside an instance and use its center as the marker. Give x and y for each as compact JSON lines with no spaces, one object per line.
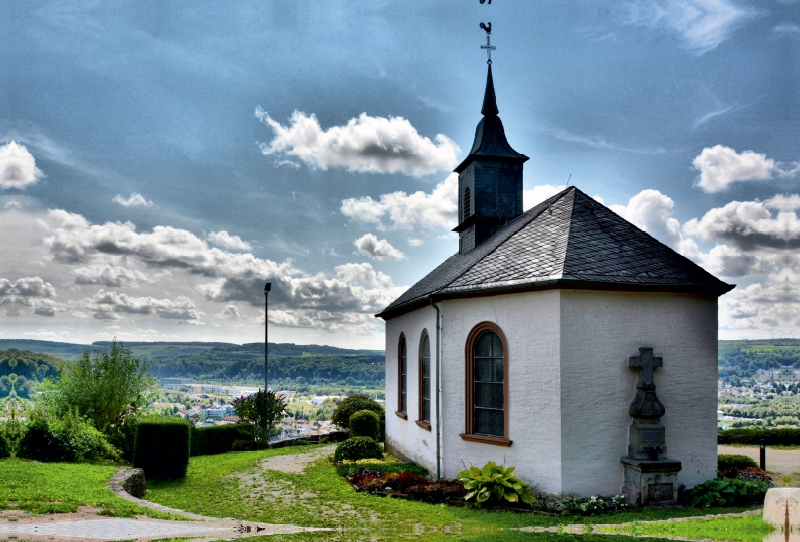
{"x":489,"y":158}
{"x":715,"y":290}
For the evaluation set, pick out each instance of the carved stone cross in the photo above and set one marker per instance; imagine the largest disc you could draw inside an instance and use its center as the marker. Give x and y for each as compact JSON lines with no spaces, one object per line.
{"x":646,"y":362}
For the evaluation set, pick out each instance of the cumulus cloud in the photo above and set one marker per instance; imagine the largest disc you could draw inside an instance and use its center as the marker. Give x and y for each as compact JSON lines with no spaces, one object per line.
{"x":406,"y":211}
{"x":109,"y":305}
{"x":135,"y":200}
{"x":770,"y":309}
{"x":720,"y":166}
{"x":235,"y":277}
{"x":17,"y":166}
{"x":539,"y":193}
{"x":230,"y":312}
{"x":32,"y":292}
{"x":702,"y":25}
{"x":652,"y":211}
{"x":232,"y":242}
{"x":371,"y":246}
{"x":751,"y":225}
{"x":366,"y":144}
{"x":108,"y":275}
{"x":415,"y":242}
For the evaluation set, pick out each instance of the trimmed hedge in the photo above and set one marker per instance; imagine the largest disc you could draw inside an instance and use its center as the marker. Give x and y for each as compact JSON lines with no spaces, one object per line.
{"x":365,"y":423}
{"x":734,"y":461}
{"x":356,"y":448}
{"x":161,"y":447}
{"x":218,"y":439}
{"x":772,"y":437}
{"x":352,"y":404}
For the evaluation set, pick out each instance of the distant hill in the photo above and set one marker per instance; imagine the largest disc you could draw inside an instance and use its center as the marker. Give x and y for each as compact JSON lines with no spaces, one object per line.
{"x":743,"y":359}
{"x":23,"y":369}
{"x":234,"y":363}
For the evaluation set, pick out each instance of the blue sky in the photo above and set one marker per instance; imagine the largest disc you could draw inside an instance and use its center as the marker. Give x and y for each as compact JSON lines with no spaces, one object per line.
{"x":160,"y":161}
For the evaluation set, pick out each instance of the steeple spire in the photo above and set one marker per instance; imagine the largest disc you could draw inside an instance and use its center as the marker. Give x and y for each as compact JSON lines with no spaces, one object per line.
{"x":489,"y":97}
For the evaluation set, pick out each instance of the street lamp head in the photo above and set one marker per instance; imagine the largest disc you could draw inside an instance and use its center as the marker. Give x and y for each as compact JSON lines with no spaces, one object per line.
{"x":267,"y":288}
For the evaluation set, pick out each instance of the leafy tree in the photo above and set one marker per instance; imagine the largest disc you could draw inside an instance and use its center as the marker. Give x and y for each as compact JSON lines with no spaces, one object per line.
{"x":107,"y":387}
{"x":263,"y":410}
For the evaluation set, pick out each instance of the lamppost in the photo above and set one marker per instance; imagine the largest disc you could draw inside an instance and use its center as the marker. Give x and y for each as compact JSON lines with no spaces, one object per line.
{"x":267,"y":288}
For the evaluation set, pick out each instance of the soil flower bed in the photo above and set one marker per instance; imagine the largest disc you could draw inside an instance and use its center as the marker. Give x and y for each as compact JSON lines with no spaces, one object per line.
{"x":407,"y":485}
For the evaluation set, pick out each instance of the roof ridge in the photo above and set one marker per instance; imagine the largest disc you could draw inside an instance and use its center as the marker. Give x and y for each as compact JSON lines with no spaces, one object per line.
{"x":541,"y":207}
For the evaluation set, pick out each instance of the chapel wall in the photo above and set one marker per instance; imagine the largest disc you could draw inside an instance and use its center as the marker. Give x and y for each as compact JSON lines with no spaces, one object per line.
{"x":404,"y":435}
{"x":600,"y":331}
{"x":530,"y":324}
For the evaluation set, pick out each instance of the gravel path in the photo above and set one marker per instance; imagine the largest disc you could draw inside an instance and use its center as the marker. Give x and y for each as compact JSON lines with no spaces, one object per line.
{"x":295,"y":463}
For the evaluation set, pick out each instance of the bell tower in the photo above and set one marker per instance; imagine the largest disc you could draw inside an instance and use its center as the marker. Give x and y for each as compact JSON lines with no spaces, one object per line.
{"x":490,"y":177}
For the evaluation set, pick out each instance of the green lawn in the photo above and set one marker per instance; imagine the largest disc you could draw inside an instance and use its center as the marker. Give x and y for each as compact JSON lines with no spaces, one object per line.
{"x":230,"y":485}
{"x":744,"y":529}
{"x":44,"y":488}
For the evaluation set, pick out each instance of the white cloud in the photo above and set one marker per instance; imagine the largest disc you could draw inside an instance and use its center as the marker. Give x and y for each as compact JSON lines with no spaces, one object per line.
{"x":136,"y":200}
{"x":234,"y":277}
{"x":17,"y":166}
{"x":108,"y":275}
{"x":412,"y":242}
{"x":108,"y":305}
{"x":363,"y":273}
{"x":32,"y":292}
{"x":651,"y":211}
{"x":539,"y":193}
{"x":230,"y":312}
{"x":720,"y":166}
{"x":225,"y":240}
{"x":764,"y":310}
{"x":371,"y":246}
{"x":701,"y":24}
{"x":406,"y":211}
{"x":787,"y":29}
{"x":366,"y":144}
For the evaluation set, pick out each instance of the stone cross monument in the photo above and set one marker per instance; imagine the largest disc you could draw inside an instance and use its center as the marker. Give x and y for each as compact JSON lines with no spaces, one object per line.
{"x":650,"y":477}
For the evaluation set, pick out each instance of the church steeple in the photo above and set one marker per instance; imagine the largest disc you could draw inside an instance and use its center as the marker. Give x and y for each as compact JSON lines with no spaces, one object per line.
{"x":489,"y":178}
{"x":489,"y":97}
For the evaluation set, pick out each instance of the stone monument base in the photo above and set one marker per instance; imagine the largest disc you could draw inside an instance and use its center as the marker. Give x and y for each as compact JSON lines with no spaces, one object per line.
{"x":650,"y":481}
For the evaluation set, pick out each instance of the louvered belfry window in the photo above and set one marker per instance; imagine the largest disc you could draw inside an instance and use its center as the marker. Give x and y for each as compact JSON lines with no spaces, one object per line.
{"x":488,"y":392}
{"x":425,"y":381}
{"x":467,"y":203}
{"x":403,"y":374}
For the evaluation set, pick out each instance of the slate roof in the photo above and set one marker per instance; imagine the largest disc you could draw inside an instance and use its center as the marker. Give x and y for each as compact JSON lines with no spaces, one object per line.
{"x":567,"y":241}
{"x":490,"y":137}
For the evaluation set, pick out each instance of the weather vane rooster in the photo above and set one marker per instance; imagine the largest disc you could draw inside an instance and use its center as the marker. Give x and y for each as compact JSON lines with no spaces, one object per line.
{"x":489,"y":47}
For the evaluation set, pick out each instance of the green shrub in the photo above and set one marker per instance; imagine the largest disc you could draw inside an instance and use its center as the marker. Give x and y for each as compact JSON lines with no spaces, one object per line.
{"x":244,"y":445}
{"x":494,"y":483}
{"x":161,"y":447}
{"x":734,"y":461}
{"x":354,"y":403}
{"x":218,"y":439}
{"x":3,"y":448}
{"x":727,"y":492}
{"x":69,"y":438}
{"x":783,"y":436}
{"x":365,"y":423}
{"x":356,"y":448}
{"x":349,"y":468}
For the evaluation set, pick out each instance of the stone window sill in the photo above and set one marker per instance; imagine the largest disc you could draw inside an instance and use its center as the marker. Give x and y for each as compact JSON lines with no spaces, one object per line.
{"x":498,"y":441}
{"x":401,"y":414}
{"x":424,"y":424}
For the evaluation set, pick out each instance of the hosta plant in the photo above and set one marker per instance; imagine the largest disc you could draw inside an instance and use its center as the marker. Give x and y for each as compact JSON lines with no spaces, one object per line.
{"x":494,"y":483}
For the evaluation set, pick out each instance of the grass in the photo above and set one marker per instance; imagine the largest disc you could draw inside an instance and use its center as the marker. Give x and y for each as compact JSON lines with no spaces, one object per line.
{"x":45,"y":488}
{"x":740,"y":529}
{"x":231,"y":485}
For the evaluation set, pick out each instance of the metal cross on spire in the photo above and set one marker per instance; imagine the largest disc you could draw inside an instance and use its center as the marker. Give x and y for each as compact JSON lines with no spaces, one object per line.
{"x":489,"y":47}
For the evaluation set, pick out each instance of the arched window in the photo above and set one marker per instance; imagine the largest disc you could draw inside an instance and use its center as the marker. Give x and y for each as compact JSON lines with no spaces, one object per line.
{"x":425,"y":381}
{"x":487,"y":385}
{"x":402,"y":406}
{"x":467,"y":203}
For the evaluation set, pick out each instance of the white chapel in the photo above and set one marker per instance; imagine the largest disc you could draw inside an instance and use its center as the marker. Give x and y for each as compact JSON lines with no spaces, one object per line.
{"x":563,"y":340}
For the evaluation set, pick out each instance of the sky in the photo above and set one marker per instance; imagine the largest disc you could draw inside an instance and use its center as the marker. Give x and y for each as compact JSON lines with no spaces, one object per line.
{"x":160,"y":161}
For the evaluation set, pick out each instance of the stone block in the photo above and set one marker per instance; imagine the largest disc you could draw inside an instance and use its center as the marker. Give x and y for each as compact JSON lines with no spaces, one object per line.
{"x":649,"y":482}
